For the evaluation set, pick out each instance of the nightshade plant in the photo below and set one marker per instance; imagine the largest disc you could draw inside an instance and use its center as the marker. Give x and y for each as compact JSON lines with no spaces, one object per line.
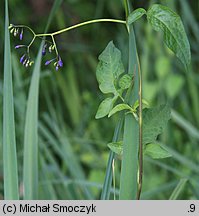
{"x":141,"y":125}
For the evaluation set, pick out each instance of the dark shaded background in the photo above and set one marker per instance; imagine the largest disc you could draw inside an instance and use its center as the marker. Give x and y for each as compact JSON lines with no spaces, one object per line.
{"x":69,"y":98}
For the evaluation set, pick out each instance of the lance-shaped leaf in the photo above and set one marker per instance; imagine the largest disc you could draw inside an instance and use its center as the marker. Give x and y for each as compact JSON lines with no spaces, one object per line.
{"x":164,"y":19}
{"x":9,"y":138}
{"x":135,"y":15}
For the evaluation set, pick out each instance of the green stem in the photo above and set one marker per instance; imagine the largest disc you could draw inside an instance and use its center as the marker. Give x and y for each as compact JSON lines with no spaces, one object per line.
{"x":82,"y":24}
{"x":54,"y":45}
{"x":114,"y":184}
{"x":67,"y":29}
{"x":140,"y":136}
{"x":89,"y":22}
{"x":32,"y":41}
{"x":24,"y":26}
{"x":126,"y":7}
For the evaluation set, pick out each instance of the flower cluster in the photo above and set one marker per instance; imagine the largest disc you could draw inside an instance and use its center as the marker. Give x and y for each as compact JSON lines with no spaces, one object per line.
{"x":25,"y":59}
{"x":49,"y":46}
{"x":57,"y":60}
{"x":16,"y":31}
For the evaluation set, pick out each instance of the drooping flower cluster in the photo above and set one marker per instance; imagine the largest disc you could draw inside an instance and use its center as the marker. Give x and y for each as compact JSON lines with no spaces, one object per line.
{"x":57,"y":60}
{"x":16,"y":31}
{"x":49,"y":47}
{"x":25,"y":59}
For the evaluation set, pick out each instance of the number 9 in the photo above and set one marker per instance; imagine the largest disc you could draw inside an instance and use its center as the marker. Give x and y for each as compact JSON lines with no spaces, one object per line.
{"x":192,"y":208}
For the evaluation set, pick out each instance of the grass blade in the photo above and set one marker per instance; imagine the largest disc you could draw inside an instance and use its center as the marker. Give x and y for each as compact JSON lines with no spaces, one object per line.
{"x":179,"y":188}
{"x":31,"y":136}
{"x":55,"y":6}
{"x":109,"y":175}
{"x":62,"y":146}
{"x":31,"y":126}
{"x":182,"y":159}
{"x":152,"y":193}
{"x":186,"y":125}
{"x":129,"y":170}
{"x":9,"y":140}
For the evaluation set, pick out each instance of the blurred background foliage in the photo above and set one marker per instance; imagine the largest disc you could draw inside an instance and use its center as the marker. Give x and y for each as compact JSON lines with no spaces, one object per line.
{"x":72,"y":144}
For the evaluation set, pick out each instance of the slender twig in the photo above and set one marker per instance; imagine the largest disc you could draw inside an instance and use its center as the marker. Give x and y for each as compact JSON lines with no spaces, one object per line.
{"x":126,"y":7}
{"x":82,"y":24}
{"x":54,"y":44}
{"x":140,"y":136}
{"x":32,"y":41}
{"x":66,"y":29}
{"x":114,"y":185}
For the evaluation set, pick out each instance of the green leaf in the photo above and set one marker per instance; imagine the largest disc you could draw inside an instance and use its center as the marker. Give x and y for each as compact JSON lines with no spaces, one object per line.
{"x":31,"y":135}
{"x":129,"y":166}
{"x":116,"y":147}
{"x":125,"y":82}
{"x":109,"y":68}
{"x":145,"y":104}
{"x":164,"y":19}
{"x":156,"y":151}
{"x":11,"y":191}
{"x":105,"y":107}
{"x":178,"y":189}
{"x":154,"y":121}
{"x":31,"y":124}
{"x":108,"y":176}
{"x":119,"y":108}
{"x":135,"y":15}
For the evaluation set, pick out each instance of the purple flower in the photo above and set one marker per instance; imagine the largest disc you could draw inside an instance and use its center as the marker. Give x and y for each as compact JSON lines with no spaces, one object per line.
{"x":21,"y":35}
{"x":19,"y":46}
{"x":22,"y":58}
{"x":49,"y":61}
{"x":44,"y":50}
{"x":60,"y":62}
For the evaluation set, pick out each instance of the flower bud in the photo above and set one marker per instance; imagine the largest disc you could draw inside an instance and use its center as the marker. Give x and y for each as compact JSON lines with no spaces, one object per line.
{"x":60,"y":62}
{"x":22,"y":58}
{"x":21,"y":35}
{"x":19,"y":46}
{"x":44,"y":50}
{"x":12,"y":30}
{"x":15,"y":32}
{"x":10,"y":26}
